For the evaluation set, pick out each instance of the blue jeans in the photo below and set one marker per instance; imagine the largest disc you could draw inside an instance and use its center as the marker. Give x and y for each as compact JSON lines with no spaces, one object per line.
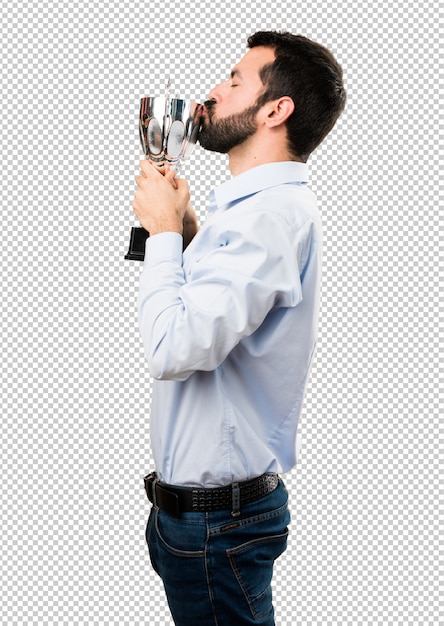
{"x":217,"y":569}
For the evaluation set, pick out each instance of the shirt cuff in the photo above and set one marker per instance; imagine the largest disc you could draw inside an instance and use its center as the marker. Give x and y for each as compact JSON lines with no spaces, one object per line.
{"x":164,"y":246}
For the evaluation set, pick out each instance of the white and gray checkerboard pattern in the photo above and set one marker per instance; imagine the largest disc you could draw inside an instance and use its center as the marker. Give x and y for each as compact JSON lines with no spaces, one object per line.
{"x":75,"y":395}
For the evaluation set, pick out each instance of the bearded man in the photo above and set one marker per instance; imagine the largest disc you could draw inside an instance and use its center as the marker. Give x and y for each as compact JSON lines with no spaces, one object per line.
{"x":228,"y":316}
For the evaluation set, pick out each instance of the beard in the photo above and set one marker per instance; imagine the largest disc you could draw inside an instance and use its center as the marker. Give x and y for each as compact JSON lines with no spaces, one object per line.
{"x":228,"y":132}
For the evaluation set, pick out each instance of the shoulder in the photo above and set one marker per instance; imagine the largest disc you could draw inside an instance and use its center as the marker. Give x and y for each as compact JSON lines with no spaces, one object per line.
{"x":287,"y":210}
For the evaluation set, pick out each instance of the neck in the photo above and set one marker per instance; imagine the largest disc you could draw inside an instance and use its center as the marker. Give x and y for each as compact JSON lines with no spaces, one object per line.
{"x":252,"y":153}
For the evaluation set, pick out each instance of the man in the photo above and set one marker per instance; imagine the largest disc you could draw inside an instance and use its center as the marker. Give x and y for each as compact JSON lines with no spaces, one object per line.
{"x":229,"y":330}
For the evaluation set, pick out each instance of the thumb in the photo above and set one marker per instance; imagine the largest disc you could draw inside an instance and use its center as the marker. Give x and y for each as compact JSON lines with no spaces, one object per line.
{"x":183,"y":188}
{"x":170,"y":175}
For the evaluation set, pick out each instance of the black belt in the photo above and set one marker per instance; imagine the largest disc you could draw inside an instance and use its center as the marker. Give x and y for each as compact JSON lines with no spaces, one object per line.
{"x":176,"y":500}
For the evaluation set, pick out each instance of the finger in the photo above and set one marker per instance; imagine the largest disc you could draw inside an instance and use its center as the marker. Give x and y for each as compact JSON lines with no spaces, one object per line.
{"x":159,"y":166}
{"x":142,"y":183}
{"x":148,"y":169}
{"x":136,"y":200}
{"x":135,"y":206}
{"x":170,"y":175}
{"x":170,"y":169}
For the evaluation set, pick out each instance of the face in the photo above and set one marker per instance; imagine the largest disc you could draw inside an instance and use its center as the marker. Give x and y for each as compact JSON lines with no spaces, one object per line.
{"x":231,"y":110}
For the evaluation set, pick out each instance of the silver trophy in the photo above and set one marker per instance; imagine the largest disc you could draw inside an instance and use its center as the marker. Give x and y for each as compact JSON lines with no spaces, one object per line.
{"x":169,"y":129}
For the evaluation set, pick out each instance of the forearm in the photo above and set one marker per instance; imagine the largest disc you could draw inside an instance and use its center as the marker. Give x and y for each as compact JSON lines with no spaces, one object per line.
{"x":190,"y":228}
{"x":190,"y":225}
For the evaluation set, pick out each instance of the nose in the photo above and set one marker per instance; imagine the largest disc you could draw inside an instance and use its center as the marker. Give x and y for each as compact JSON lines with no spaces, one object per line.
{"x":218,"y":92}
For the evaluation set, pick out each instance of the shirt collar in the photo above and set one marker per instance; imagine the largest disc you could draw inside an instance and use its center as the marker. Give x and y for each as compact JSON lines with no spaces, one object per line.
{"x":257,"y":179}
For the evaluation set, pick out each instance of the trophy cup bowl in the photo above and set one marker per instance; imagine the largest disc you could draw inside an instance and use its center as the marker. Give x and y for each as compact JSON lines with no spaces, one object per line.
{"x":169,"y":130}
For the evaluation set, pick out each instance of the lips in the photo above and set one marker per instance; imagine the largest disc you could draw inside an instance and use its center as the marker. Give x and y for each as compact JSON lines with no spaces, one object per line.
{"x":205,"y":118}
{"x":207,"y":114}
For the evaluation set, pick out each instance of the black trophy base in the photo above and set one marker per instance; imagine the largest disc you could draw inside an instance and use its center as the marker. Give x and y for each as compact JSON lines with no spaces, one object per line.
{"x":136,"y":250}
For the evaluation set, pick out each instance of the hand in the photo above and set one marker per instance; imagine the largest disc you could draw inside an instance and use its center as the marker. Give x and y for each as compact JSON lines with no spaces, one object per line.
{"x":160,"y":202}
{"x":190,"y":221}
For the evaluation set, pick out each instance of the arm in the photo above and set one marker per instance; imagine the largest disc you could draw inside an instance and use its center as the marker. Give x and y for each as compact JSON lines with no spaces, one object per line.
{"x":191,"y":318}
{"x":190,"y":225}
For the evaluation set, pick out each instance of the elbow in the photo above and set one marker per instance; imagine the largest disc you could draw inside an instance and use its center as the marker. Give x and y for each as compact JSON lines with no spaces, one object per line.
{"x":161,"y":368}
{"x":164,"y":362}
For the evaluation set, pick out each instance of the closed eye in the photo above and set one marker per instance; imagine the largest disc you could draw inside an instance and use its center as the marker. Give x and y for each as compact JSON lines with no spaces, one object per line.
{"x":235,"y":74}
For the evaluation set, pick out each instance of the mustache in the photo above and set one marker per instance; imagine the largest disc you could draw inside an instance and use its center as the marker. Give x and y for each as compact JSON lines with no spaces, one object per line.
{"x":209,"y":105}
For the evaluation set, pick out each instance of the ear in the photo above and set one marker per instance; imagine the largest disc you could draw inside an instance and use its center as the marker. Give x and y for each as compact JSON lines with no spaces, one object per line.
{"x":279,"y":111}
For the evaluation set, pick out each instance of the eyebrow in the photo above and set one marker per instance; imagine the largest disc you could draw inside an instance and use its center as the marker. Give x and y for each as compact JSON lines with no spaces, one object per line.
{"x":236,"y":73}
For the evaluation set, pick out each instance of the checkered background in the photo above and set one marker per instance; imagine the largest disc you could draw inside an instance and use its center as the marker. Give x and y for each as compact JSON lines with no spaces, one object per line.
{"x":75,"y":395}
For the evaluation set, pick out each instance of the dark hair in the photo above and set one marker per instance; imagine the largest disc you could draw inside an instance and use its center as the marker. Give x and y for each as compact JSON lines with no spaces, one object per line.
{"x":310,"y":75}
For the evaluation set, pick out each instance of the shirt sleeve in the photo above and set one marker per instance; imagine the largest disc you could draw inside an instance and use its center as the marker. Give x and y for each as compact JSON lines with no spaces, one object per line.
{"x":191,"y":319}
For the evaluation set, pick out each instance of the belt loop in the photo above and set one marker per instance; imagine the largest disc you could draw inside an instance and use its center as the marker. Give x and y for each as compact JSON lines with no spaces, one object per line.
{"x":235,"y":499}
{"x":155,"y":481}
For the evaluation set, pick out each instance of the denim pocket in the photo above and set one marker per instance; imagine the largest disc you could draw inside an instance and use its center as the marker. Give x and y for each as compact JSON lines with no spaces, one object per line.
{"x":180,"y":537}
{"x":252,"y":564}
{"x":148,"y":532}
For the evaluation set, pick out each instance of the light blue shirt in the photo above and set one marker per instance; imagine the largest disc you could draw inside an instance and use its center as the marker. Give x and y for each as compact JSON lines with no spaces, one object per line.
{"x":229,"y":329}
